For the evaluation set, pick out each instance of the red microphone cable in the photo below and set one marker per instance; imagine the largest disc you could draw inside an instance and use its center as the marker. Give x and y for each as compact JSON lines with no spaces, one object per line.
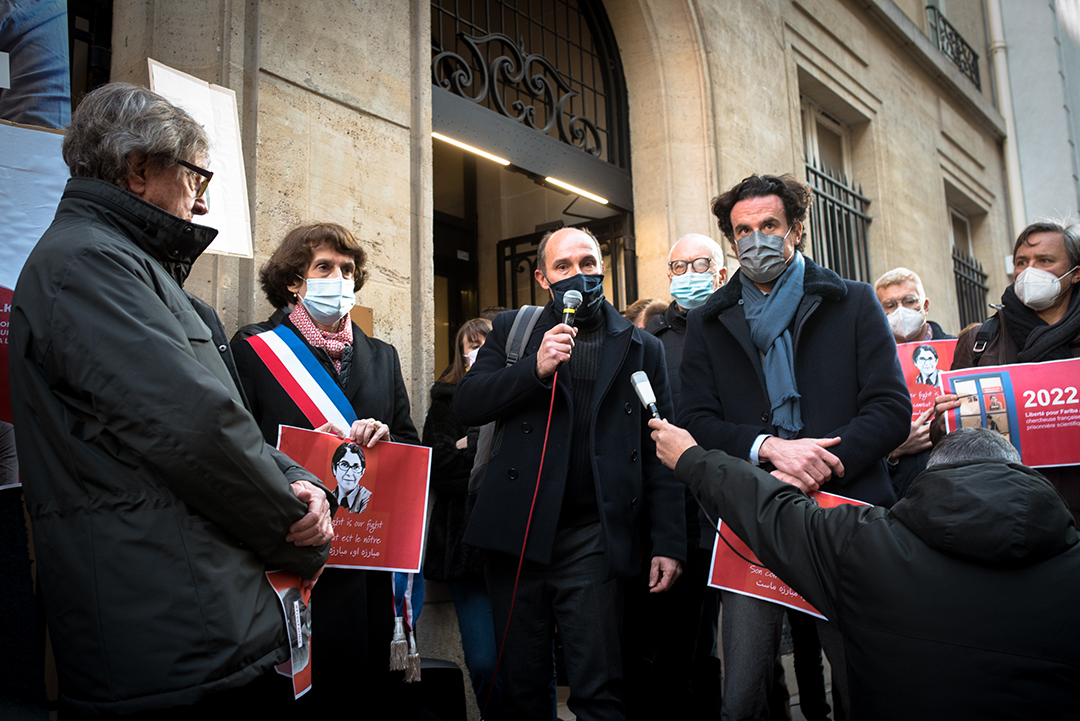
{"x":521,"y":559}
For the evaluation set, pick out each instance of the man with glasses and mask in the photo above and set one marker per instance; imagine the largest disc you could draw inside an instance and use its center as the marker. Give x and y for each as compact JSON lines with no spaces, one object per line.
{"x":793,"y":370}
{"x":600,"y":480}
{"x":695,"y":270}
{"x":900,"y":292}
{"x":674,"y":670}
{"x":155,"y":502}
{"x":1038,"y":320}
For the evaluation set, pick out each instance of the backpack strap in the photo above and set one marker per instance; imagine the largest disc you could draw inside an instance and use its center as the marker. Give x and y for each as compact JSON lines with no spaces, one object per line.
{"x":521,"y":331}
{"x":987,"y":332}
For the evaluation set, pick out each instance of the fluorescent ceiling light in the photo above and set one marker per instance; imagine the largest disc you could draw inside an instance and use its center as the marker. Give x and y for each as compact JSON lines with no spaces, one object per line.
{"x":575,"y":189}
{"x":471,"y":149}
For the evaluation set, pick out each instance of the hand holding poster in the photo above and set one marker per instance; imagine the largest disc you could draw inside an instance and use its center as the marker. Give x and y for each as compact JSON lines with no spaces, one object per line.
{"x":382,"y":492}
{"x":1036,"y":406}
{"x":923,"y":363}
{"x":738,"y":570}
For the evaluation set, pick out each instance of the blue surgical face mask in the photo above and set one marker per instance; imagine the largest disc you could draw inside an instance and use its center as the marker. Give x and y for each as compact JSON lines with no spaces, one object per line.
{"x":328,"y":300}
{"x":591,"y":288}
{"x":691,"y":289}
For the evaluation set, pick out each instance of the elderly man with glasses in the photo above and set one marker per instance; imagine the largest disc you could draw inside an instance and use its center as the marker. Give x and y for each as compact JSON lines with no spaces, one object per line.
{"x":901,"y":295}
{"x":156,"y":504}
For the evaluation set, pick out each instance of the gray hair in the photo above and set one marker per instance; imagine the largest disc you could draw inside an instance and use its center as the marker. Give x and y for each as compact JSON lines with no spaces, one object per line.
{"x":119,"y":119}
{"x":966,"y":444}
{"x":896,"y":276}
{"x":1067,"y":228}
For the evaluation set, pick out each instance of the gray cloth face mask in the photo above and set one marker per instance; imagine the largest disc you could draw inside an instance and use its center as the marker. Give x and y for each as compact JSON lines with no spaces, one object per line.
{"x":761,"y":257}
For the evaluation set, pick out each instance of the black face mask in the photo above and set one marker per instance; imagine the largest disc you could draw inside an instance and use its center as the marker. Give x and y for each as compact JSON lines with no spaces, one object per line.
{"x":591,"y":288}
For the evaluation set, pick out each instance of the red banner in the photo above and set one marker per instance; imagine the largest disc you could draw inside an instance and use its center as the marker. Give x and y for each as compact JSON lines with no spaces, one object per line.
{"x":1036,"y":406}
{"x":738,"y":570}
{"x":296,"y":604}
{"x":923,"y":364}
{"x":382,"y":493}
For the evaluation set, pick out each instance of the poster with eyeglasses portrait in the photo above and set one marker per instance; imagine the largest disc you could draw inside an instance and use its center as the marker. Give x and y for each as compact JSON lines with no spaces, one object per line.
{"x":382,"y":495}
{"x":1035,"y":406}
{"x":923,"y":363}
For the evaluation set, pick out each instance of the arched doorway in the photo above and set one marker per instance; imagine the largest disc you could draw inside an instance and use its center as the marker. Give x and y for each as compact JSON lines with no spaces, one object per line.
{"x":538,"y":85}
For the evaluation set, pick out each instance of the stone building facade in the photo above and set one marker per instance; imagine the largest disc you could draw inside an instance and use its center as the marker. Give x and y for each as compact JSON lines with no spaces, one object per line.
{"x":337,"y":113}
{"x":338,"y":107}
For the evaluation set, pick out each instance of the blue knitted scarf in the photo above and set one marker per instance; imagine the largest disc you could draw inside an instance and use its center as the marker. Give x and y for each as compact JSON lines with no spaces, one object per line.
{"x":769,"y":317}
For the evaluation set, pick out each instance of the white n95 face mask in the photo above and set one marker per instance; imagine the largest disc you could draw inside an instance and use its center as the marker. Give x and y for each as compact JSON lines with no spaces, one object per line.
{"x":1038,"y":289}
{"x":905,"y":322}
{"x":328,"y":299}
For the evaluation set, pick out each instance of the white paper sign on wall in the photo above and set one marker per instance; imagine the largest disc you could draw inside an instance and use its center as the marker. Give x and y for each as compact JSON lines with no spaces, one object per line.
{"x":214,"y":107}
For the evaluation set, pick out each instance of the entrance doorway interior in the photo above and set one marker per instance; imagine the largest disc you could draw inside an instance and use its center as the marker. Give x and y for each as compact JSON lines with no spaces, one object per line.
{"x":488,"y":221}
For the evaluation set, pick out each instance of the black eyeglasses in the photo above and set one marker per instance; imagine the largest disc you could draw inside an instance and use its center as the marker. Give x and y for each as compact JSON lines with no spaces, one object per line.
{"x":204,"y":180}
{"x":698,"y":265}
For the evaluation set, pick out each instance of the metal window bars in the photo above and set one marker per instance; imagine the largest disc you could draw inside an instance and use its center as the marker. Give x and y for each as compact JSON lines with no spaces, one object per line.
{"x":838,"y":223}
{"x":970,"y":288}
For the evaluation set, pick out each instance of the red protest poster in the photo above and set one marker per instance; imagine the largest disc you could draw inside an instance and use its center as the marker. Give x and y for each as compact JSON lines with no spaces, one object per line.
{"x":1036,"y":406}
{"x":382,"y":494}
{"x":747,"y":576}
{"x":296,"y":604}
{"x":923,"y":364}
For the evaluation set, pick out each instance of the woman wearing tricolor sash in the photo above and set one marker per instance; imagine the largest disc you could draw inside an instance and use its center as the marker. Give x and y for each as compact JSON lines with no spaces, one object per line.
{"x":310,"y":366}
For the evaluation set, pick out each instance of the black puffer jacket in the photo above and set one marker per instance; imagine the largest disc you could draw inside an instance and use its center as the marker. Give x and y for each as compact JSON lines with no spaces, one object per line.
{"x":155,"y":502}
{"x":958,"y":603}
{"x":446,"y":557}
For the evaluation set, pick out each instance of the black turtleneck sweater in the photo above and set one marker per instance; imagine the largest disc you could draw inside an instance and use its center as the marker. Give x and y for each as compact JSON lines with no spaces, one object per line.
{"x":579,"y":499}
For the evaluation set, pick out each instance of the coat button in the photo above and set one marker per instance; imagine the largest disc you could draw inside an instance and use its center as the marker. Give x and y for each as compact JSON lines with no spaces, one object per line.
{"x":629,"y":409}
{"x":223,"y":347}
{"x":633,"y":502}
{"x":740,"y":301}
{"x":512,"y":474}
{"x":633,"y":455}
{"x":526,"y":428}
{"x":765,"y":416}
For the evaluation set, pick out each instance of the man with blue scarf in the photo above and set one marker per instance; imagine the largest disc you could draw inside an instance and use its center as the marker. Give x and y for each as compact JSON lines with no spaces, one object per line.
{"x":794,"y":370}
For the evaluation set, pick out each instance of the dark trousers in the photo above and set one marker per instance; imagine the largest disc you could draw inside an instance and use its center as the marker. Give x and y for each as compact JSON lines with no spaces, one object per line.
{"x":669,"y":671}
{"x":572,"y":594}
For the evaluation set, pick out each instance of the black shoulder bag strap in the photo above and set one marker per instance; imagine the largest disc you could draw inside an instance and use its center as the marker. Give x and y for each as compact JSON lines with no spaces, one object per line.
{"x":491,"y":433}
{"x":987,"y":332}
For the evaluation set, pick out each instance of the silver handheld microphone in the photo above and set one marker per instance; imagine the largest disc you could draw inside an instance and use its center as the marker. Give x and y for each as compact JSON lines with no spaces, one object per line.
{"x":571,"y":301}
{"x":644,"y":391}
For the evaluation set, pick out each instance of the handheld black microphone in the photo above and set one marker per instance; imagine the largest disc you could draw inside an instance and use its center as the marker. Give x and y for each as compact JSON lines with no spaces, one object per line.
{"x":644,"y":391}
{"x":571,"y":302}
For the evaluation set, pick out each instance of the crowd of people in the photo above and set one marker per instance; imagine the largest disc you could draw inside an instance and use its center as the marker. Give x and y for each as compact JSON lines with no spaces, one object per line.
{"x":563,"y":504}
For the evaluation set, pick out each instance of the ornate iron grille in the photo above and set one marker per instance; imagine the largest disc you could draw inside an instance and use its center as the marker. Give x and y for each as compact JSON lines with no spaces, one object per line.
{"x":970,"y":288}
{"x":548,"y":64}
{"x":838,"y":224}
{"x":953,"y":45}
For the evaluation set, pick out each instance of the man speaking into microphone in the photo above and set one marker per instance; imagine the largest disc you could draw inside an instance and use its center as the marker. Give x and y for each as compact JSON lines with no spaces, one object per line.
{"x":600,"y":479}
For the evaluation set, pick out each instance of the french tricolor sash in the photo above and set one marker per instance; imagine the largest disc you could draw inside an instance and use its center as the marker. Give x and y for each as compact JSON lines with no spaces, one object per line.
{"x":294,"y":366}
